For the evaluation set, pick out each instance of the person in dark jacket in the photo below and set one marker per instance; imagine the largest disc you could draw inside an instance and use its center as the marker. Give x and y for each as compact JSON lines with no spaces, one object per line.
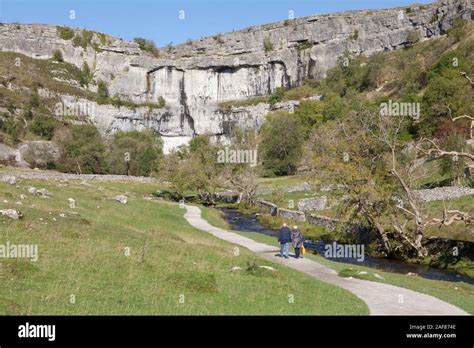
{"x":297,"y":241}
{"x":284,"y":237}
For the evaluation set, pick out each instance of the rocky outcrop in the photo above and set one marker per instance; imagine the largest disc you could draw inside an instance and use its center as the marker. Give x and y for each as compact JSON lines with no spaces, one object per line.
{"x":193,"y":78}
{"x":39,"y":153}
{"x":29,"y":154}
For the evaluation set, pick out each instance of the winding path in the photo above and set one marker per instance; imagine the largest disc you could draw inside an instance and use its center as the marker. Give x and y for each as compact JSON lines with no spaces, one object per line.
{"x":382,"y":299}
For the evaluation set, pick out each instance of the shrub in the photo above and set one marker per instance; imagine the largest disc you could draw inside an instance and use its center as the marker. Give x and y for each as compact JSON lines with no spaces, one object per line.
{"x":145,"y":44}
{"x":458,"y":30}
{"x":102,"y":90}
{"x":65,"y":33}
{"x":161,"y":102}
{"x":267,"y":44}
{"x":43,"y":126}
{"x":412,"y":38}
{"x":355,"y":35}
{"x":86,"y":76}
{"x":277,"y":95}
{"x":83,"y":39}
{"x":58,"y":56}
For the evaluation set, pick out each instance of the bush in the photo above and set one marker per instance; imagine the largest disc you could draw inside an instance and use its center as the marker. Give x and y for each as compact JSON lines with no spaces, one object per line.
{"x":277,"y":95}
{"x":267,"y":44}
{"x":83,"y":39}
{"x":161,"y":102}
{"x":145,"y":44}
{"x":102,"y":90}
{"x":58,"y":56}
{"x":65,"y":33}
{"x":43,"y":126}
{"x":412,"y":38}
{"x":86,"y":76}
{"x":458,"y":31}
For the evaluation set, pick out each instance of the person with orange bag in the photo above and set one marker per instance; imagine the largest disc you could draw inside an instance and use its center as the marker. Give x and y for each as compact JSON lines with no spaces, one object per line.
{"x":297,"y":240}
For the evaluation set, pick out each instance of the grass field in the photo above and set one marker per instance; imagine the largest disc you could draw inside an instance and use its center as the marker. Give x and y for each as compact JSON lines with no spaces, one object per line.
{"x":103,"y":257}
{"x":459,"y":294}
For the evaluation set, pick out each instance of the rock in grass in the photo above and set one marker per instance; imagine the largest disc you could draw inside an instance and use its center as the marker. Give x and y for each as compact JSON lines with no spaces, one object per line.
{"x":31,"y":190}
{"x":236,"y":269}
{"x":267,"y":267}
{"x":121,"y":199}
{"x":11,"y":180}
{"x":11,"y":213}
{"x":40,"y":192}
{"x":44,"y":193}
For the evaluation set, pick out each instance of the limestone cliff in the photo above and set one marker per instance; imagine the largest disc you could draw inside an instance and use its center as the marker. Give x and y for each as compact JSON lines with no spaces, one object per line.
{"x":194,"y":77}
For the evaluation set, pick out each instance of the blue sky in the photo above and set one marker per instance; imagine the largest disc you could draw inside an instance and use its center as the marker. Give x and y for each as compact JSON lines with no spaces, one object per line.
{"x":160,"y":20}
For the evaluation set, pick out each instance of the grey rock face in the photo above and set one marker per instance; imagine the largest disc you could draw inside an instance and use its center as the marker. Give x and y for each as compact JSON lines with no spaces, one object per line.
{"x":195,"y":77}
{"x":38,"y":153}
{"x":29,"y":154}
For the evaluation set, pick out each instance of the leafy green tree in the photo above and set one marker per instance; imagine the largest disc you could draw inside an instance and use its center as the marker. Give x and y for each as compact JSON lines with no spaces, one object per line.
{"x":310,"y":113}
{"x":193,"y":168}
{"x":447,"y":94}
{"x":134,"y":153}
{"x":281,"y":143}
{"x":82,"y":150}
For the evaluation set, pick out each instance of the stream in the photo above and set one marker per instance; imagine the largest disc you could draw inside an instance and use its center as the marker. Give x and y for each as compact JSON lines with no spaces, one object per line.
{"x":248,"y":223}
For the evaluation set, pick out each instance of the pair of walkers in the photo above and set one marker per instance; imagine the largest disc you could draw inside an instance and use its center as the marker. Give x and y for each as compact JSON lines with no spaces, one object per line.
{"x":287,"y":236}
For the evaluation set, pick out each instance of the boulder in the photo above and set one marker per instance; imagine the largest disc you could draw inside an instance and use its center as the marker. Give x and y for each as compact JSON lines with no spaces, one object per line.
{"x":121,"y":199}
{"x":11,"y":213}
{"x":9,"y":180}
{"x":11,"y":157}
{"x":39,"y":153}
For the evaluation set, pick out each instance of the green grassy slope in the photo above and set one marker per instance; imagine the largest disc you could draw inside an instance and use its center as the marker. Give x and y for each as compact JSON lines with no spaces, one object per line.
{"x":83,"y":267}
